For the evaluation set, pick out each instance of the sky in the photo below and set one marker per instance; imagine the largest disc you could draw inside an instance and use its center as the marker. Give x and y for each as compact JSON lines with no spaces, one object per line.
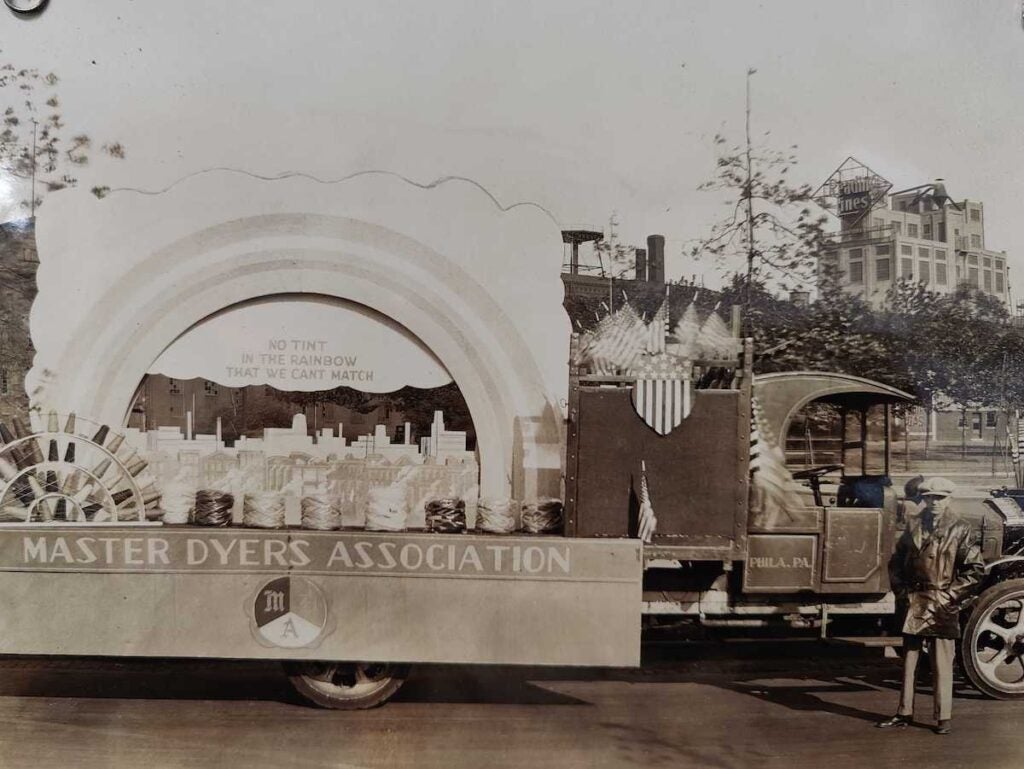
{"x":586,"y":108}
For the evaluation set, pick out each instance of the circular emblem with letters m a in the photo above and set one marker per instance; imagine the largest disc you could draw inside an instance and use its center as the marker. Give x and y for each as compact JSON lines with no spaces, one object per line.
{"x":290,"y":612}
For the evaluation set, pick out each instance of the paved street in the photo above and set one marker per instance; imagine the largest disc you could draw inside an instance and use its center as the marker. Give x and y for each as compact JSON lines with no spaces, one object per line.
{"x":705,"y":705}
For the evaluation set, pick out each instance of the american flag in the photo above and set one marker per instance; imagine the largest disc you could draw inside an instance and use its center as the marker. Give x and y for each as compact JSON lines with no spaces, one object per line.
{"x":686,"y":332}
{"x":716,"y":341}
{"x":661,"y":393}
{"x":647,"y":523}
{"x":769,"y":476}
{"x":658,"y":329}
{"x":618,"y":346}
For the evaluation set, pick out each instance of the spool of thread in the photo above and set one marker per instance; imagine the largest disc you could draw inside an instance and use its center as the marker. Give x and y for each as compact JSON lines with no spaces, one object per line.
{"x":263,"y":510}
{"x":496,"y":516}
{"x":446,"y":515}
{"x":385,"y":509}
{"x":542,"y":516}
{"x":321,"y":512}
{"x":213,"y":508}
{"x":178,"y":507}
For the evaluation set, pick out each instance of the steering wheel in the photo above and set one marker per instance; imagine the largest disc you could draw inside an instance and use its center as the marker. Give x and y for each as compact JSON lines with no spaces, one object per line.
{"x":816,"y":472}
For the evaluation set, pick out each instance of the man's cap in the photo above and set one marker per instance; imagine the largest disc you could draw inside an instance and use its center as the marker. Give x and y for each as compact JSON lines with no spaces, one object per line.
{"x":937,"y":487}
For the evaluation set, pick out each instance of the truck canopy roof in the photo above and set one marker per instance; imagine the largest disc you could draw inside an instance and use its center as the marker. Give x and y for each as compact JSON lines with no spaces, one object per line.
{"x":781,"y":395}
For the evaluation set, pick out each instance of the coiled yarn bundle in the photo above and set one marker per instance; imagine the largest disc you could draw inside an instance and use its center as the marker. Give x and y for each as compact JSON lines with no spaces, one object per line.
{"x":178,"y":507}
{"x":446,"y":515}
{"x":496,"y":516}
{"x":213,"y":508}
{"x":321,"y":512}
{"x":385,"y":509}
{"x":543,"y":516}
{"x":263,"y":510}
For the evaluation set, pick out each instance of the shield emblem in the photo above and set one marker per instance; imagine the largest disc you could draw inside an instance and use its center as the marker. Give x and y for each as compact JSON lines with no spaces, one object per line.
{"x":661,"y":393}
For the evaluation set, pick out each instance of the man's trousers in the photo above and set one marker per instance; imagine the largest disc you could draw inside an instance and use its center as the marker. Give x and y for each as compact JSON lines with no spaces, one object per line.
{"x":942,"y":653}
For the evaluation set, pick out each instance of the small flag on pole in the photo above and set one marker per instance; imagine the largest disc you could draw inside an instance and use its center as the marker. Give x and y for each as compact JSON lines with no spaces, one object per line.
{"x":647,"y":522}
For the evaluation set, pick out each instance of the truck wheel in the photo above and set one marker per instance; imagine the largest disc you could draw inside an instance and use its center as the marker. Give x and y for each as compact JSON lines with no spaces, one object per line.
{"x":347,"y":685}
{"x":993,"y":641}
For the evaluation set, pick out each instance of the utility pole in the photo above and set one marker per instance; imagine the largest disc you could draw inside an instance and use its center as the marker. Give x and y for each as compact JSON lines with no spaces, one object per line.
{"x":748,"y":191}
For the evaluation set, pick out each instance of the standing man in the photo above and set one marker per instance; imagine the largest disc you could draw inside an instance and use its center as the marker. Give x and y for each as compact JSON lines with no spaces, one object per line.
{"x":934,"y":573}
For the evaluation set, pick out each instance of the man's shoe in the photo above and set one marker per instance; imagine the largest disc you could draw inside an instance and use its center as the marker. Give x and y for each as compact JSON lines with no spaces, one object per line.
{"x":943,"y":727}
{"x":894,"y":721}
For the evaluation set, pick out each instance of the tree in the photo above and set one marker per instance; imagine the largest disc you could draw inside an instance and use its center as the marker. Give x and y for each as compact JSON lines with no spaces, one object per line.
{"x":35,"y":145}
{"x":773,"y":224}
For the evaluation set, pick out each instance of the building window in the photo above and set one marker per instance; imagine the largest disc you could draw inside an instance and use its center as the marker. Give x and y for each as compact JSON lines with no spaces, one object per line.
{"x":972,"y":277}
{"x":940,"y":274}
{"x":990,"y":419}
{"x":976,"y":421}
{"x":210,"y":388}
{"x":975,"y":214}
{"x":857,"y":272}
{"x":927,"y":230}
{"x":924,"y":272}
{"x":911,"y":230}
{"x":986,"y":261}
{"x":988,"y":280}
{"x":907,"y":269}
{"x":903,"y":205}
{"x":975,"y":240}
{"x":174,"y":386}
{"x":942,"y":232}
{"x":897,"y":227}
{"x":999,"y":282}
{"x":5,"y":382}
{"x":940,"y":255}
{"x":972,"y":259}
{"x":999,"y":264}
{"x":856,"y":253}
{"x":924,"y":253}
{"x":907,"y":250}
{"x":882,"y":269}
{"x":882,"y":249}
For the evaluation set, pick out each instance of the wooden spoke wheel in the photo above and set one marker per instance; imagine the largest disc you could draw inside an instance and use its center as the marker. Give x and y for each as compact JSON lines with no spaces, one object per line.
{"x":993,"y":641}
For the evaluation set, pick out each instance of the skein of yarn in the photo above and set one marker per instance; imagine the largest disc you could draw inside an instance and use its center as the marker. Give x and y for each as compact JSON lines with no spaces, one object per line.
{"x":446,"y":515}
{"x":178,"y":507}
{"x":385,"y":509}
{"x":321,"y":512}
{"x":213,"y":508}
{"x":495,"y":516}
{"x":263,"y":510}
{"x":542,"y":516}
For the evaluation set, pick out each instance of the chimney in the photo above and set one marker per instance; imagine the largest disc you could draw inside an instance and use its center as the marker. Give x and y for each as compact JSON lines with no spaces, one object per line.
{"x":641,"y":264}
{"x":656,"y":258}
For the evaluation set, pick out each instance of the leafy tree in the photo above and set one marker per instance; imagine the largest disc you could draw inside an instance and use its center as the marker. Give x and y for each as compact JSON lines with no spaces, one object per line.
{"x":36,"y":145}
{"x":773,"y":223}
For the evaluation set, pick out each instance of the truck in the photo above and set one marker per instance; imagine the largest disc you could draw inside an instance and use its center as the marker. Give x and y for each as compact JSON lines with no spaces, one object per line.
{"x":235,"y":280}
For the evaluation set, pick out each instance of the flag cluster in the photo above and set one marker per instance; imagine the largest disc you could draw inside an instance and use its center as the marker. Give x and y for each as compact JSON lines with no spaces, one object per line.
{"x":621,"y":340}
{"x":772,"y":488}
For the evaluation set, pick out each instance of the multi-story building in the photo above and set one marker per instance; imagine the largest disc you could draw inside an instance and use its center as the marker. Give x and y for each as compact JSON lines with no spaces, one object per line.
{"x":919,"y":238}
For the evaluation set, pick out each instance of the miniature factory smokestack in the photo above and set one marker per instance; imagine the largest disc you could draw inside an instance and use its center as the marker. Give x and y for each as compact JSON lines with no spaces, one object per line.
{"x":641,"y":264}
{"x":656,"y":258}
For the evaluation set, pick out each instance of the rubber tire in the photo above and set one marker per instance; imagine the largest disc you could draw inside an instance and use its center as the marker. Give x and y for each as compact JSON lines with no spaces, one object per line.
{"x":995,"y":594}
{"x":301,"y":681}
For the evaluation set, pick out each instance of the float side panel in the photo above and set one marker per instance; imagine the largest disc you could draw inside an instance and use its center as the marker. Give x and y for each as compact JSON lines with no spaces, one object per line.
{"x":590,"y":616}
